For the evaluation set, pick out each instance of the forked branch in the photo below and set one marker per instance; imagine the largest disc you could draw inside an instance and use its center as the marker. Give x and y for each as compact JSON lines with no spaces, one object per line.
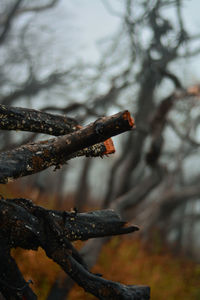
{"x":35,"y":157}
{"x":31,"y":226}
{"x":25,"y":225}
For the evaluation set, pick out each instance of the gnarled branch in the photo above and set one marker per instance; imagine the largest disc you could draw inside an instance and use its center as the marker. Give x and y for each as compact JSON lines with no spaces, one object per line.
{"x":35,"y":157}
{"x":31,"y":226}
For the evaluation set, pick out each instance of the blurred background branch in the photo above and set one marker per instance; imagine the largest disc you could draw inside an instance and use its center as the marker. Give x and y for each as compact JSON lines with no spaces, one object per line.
{"x":148,"y":62}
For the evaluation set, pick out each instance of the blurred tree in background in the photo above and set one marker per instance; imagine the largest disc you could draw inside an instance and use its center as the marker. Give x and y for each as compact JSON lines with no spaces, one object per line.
{"x":155,"y":178}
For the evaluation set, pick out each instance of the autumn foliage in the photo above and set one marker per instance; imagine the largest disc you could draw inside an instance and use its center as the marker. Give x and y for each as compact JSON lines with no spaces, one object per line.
{"x":170,"y":277}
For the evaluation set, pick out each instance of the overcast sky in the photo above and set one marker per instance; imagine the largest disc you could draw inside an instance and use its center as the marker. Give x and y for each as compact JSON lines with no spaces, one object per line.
{"x":94,"y":21}
{"x":90,"y":22}
{"x":87,"y":22}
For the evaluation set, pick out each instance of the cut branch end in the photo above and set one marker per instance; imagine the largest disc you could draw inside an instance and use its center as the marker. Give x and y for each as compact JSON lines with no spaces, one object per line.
{"x":110,"y":148}
{"x":127,"y":116}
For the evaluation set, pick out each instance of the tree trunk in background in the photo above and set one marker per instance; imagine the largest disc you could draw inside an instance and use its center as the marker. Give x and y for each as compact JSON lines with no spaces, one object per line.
{"x":82,"y":190}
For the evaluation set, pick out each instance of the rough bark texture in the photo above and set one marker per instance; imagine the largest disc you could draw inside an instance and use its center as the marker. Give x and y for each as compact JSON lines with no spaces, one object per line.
{"x":35,"y":157}
{"x":31,"y":226}
{"x":25,"y":225}
{"x":24,"y":119}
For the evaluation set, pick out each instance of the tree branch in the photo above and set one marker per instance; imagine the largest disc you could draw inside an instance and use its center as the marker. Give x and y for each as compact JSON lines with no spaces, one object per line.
{"x":100,"y":287}
{"x":12,"y":283}
{"x":33,"y":86}
{"x":24,"y":119}
{"x":31,"y":226}
{"x":49,"y":5}
{"x":35,"y":157}
{"x":133,"y":197}
{"x":9,"y":20}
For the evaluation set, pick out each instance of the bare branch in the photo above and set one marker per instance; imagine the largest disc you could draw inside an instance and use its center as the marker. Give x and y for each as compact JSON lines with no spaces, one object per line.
{"x":186,"y":138}
{"x":100,"y":287}
{"x":72,"y":107}
{"x":35,"y":157}
{"x":173,"y":77}
{"x":49,"y":5}
{"x":175,"y":198}
{"x":24,"y":119}
{"x":33,"y":86}
{"x":137,"y":194}
{"x":30,"y":226}
{"x":12,"y":283}
{"x":9,"y":20}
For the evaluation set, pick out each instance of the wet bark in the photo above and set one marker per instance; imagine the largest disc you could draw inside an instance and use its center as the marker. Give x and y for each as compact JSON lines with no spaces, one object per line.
{"x":24,"y":119}
{"x":35,"y":157}
{"x":31,"y":120}
{"x":30,"y":226}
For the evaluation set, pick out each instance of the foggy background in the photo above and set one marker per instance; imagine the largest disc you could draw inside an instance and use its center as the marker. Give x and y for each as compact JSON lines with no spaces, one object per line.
{"x":86,"y":59}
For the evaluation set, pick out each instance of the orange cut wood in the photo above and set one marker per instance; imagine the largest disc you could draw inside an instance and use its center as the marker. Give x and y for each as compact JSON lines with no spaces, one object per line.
{"x":110,"y":148}
{"x":127,"y":116}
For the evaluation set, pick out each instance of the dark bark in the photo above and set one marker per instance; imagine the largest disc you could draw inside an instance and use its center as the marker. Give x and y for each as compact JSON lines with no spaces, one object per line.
{"x":90,"y":253}
{"x":36,"y":157}
{"x":24,"y":119}
{"x":12,"y":284}
{"x":60,"y":288}
{"x":100,"y":287}
{"x":25,"y":222}
{"x":30,"y":227}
